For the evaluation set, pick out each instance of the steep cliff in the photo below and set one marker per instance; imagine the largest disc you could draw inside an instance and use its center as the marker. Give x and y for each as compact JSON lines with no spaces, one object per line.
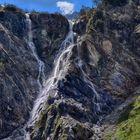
{"x":103,"y":73}
{"x":19,"y":67}
{"x":91,"y":75}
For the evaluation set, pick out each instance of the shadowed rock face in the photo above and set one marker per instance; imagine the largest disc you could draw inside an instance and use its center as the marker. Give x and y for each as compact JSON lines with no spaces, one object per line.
{"x":19,"y":68}
{"x":94,"y":76}
{"x":80,"y":26}
{"x":49,"y":30}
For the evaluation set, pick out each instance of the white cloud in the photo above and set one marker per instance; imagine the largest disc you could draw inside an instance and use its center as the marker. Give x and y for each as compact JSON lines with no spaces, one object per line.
{"x":65,"y":7}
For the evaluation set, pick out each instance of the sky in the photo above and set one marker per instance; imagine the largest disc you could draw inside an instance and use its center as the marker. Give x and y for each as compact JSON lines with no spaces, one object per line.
{"x":63,"y":6}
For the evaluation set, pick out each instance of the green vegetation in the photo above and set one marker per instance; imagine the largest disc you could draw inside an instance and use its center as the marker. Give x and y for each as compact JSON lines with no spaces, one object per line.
{"x":41,"y":125}
{"x":58,"y":127}
{"x":129,"y":124}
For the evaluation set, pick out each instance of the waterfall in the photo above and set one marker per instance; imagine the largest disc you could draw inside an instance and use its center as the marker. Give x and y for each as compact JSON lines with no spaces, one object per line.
{"x":31,"y":44}
{"x":60,"y":68}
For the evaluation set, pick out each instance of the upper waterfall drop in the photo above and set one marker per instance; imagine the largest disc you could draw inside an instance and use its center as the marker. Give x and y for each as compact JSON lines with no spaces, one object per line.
{"x":69,"y":40}
{"x":31,"y":44}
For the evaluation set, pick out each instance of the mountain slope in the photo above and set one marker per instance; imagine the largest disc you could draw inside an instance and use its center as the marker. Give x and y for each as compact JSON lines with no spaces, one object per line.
{"x":91,"y":75}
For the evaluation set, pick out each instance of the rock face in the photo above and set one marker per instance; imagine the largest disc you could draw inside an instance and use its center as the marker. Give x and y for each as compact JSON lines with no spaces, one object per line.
{"x":80,"y":26}
{"x":18,"y":66}
{"x":49,"y":30}
{"x":75,"y":103}
{"x":89,"y":79}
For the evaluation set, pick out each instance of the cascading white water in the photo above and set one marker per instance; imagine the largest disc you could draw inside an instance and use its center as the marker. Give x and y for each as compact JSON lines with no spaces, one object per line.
{"x":69,"y":40}
{"x":60,"y":68}
{"x":31,"y":44}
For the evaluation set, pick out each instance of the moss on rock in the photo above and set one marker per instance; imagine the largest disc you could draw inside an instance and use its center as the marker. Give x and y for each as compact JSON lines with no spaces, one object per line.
{"x":129,"y":126}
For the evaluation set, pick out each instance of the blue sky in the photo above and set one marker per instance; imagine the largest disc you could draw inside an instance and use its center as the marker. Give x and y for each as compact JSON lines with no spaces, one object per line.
{"x":50,"y":5}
